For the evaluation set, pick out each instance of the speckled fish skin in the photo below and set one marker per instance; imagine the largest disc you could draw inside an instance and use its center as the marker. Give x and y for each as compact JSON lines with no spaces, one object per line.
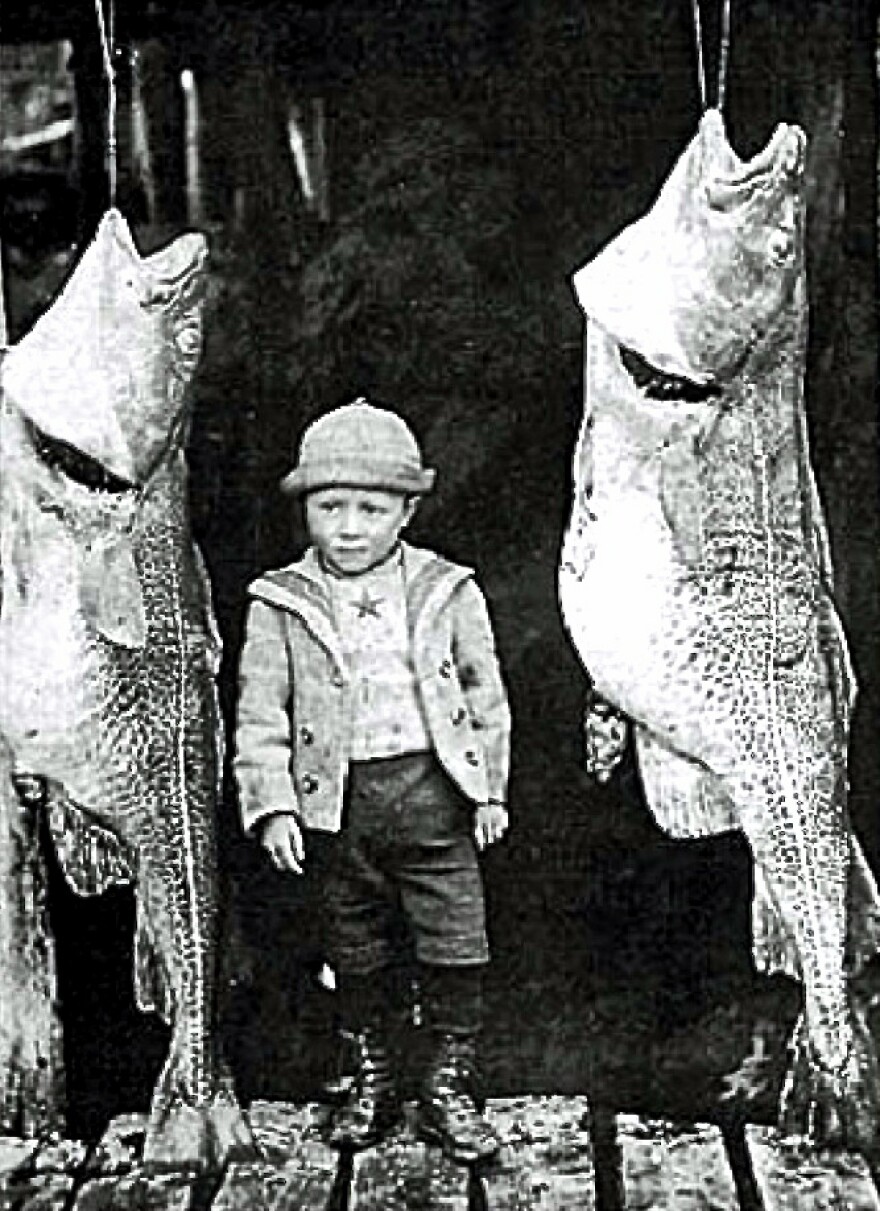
{"x":107,"y":645}
{"x":695,"y":580}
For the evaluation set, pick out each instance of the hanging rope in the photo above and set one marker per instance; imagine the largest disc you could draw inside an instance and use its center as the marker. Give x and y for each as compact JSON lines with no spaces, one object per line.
{"x":110,"y":72}
{"x":698,"y":36}
{"x":723,"y":54}
{"x":4,"y":327}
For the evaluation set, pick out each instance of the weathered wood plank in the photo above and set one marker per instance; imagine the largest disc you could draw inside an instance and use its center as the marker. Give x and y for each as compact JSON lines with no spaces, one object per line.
{"x":405,"y":1173}
{"x":137,"y":1191}
{"x":121,"y":1147}
{"x":668,"y":1166}
{"x":15,"y":1154}
{"x":297,"y":1172}
{"x":546,"y":1160}
{"x":302,"y":1183}
{"x":280,"y":1127}
{"x":44,"y":1181}
{"x":794,"y":1177}
{"x":115,"y":1180}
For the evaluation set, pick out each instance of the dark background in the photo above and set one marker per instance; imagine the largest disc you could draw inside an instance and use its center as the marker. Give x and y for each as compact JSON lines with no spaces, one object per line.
{"x":476,"y":154}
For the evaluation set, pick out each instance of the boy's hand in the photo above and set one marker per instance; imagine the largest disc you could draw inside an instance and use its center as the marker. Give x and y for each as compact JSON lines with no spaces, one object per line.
{"x":490,"y":824}
{"x":281,"y":838}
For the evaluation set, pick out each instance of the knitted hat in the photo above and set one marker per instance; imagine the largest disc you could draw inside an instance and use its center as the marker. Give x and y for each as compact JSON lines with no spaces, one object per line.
{"x":359,"y":446}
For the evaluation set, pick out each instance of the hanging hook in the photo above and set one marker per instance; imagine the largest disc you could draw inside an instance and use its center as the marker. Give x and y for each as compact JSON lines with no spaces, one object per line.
{"x":110,"y":72}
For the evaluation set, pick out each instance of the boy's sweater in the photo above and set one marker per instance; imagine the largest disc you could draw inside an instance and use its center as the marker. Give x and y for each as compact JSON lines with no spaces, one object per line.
{"x":296,"y":729}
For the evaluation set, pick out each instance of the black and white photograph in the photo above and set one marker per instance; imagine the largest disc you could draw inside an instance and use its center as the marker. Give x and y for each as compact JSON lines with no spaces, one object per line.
{"x":439,"y":605}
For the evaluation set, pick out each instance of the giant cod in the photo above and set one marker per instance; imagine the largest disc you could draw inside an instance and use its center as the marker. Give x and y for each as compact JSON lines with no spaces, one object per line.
{"x":108,"y":649}
{"x":695,"y":580}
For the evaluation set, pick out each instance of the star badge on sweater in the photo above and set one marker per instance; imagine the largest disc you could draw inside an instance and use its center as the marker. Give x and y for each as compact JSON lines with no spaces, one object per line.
{"x":367,"y":606}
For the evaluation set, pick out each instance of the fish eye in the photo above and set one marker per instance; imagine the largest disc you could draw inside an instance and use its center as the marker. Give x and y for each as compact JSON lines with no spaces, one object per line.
{"x":188,"y":338}
{"x":76,"y":466}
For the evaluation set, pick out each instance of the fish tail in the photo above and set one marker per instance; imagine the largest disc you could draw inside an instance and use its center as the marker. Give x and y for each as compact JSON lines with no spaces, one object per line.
{"x":837,"y":1107}
{"x":206,"y":1133}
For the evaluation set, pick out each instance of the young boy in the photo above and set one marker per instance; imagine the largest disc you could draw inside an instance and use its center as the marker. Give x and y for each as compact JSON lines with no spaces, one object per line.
{"x":371,"y":706}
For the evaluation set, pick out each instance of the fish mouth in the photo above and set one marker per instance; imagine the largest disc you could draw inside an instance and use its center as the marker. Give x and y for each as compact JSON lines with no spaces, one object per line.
{"x":172,"y":275}
{"x":658,"y":384}
{"x":732,"y":181}
{"x":75,"y":465}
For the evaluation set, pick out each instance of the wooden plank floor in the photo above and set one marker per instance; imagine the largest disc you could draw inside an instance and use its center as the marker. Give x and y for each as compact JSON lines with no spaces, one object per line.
{"x":407,"y":1174}
{"x":546,"y":1161}
{"x":546,"y":1164}
{"x":681,"y":1166}
{"x":791,"y":1177}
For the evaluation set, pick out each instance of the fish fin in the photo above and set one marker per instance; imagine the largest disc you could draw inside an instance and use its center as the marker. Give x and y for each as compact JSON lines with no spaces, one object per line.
{"x":182,"y":1133}
{"x":92,"y":858}
{"x":834,"y":1107}
{"x":209,"y":620}
{"x":152,"y":989}
{"x":863,"y":913}
{"x":773,"y":948}
{"x":112,"y":597}
{"x":685,"y":798}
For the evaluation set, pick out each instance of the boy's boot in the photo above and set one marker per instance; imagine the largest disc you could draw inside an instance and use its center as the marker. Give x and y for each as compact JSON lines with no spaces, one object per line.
{"x":372,"y":1108}
{"x":448,"y":1107}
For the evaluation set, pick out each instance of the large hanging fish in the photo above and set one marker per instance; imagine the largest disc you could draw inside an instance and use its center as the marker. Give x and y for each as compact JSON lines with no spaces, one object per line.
{"x":107,"y":642}
{"x":695,"y":580}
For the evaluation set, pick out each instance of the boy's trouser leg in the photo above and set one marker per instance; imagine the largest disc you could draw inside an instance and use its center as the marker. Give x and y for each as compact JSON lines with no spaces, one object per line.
{"x":449,"y":1113}
{"x":372,"y":1109}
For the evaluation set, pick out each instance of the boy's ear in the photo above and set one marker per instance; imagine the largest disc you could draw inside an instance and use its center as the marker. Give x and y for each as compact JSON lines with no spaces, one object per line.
{"x":410,"y":507}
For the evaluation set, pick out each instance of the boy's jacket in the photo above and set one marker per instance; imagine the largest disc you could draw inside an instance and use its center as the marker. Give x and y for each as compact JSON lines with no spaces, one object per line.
{"x":294,"y":707}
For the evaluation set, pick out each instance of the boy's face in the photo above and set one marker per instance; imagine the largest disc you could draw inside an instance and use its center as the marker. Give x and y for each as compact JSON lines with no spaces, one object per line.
{"x":356,"y":528}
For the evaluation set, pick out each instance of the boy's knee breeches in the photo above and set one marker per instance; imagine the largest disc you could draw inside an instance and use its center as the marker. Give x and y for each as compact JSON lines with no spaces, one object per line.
{"x":405,"y":859}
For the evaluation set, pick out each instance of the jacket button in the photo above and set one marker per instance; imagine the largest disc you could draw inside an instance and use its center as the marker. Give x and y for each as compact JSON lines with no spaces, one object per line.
{"x":336,"y":680}
{"x":309,"y":784}
{"x":445,"y":669}
{"x":458,"y":716}
{"x":306,"y":735}
{"x":471,"y":757}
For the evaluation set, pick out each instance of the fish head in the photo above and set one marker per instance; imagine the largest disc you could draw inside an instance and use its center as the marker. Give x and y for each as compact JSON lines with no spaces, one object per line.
{"x":104,"y":371}
{"x":93,"y":405}
{"x":710,"y":272}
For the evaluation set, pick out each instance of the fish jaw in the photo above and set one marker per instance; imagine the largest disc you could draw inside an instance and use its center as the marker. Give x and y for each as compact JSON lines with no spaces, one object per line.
{"x":101,"y":336}
{"x":700,"y":279}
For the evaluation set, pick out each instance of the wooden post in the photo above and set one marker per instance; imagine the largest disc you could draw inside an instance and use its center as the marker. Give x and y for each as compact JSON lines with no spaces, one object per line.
{"x":162,"y":98}
{"x":607,"y":1159}
{"x":89,"y":170}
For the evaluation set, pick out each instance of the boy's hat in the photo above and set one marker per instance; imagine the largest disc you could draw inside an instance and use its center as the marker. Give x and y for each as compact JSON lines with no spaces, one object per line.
{"x":359,"y":446}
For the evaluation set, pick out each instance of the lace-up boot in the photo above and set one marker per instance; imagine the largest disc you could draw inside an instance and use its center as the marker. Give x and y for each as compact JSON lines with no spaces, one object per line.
{"x":372,"y":1109}
{"x":448,"y":1112}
